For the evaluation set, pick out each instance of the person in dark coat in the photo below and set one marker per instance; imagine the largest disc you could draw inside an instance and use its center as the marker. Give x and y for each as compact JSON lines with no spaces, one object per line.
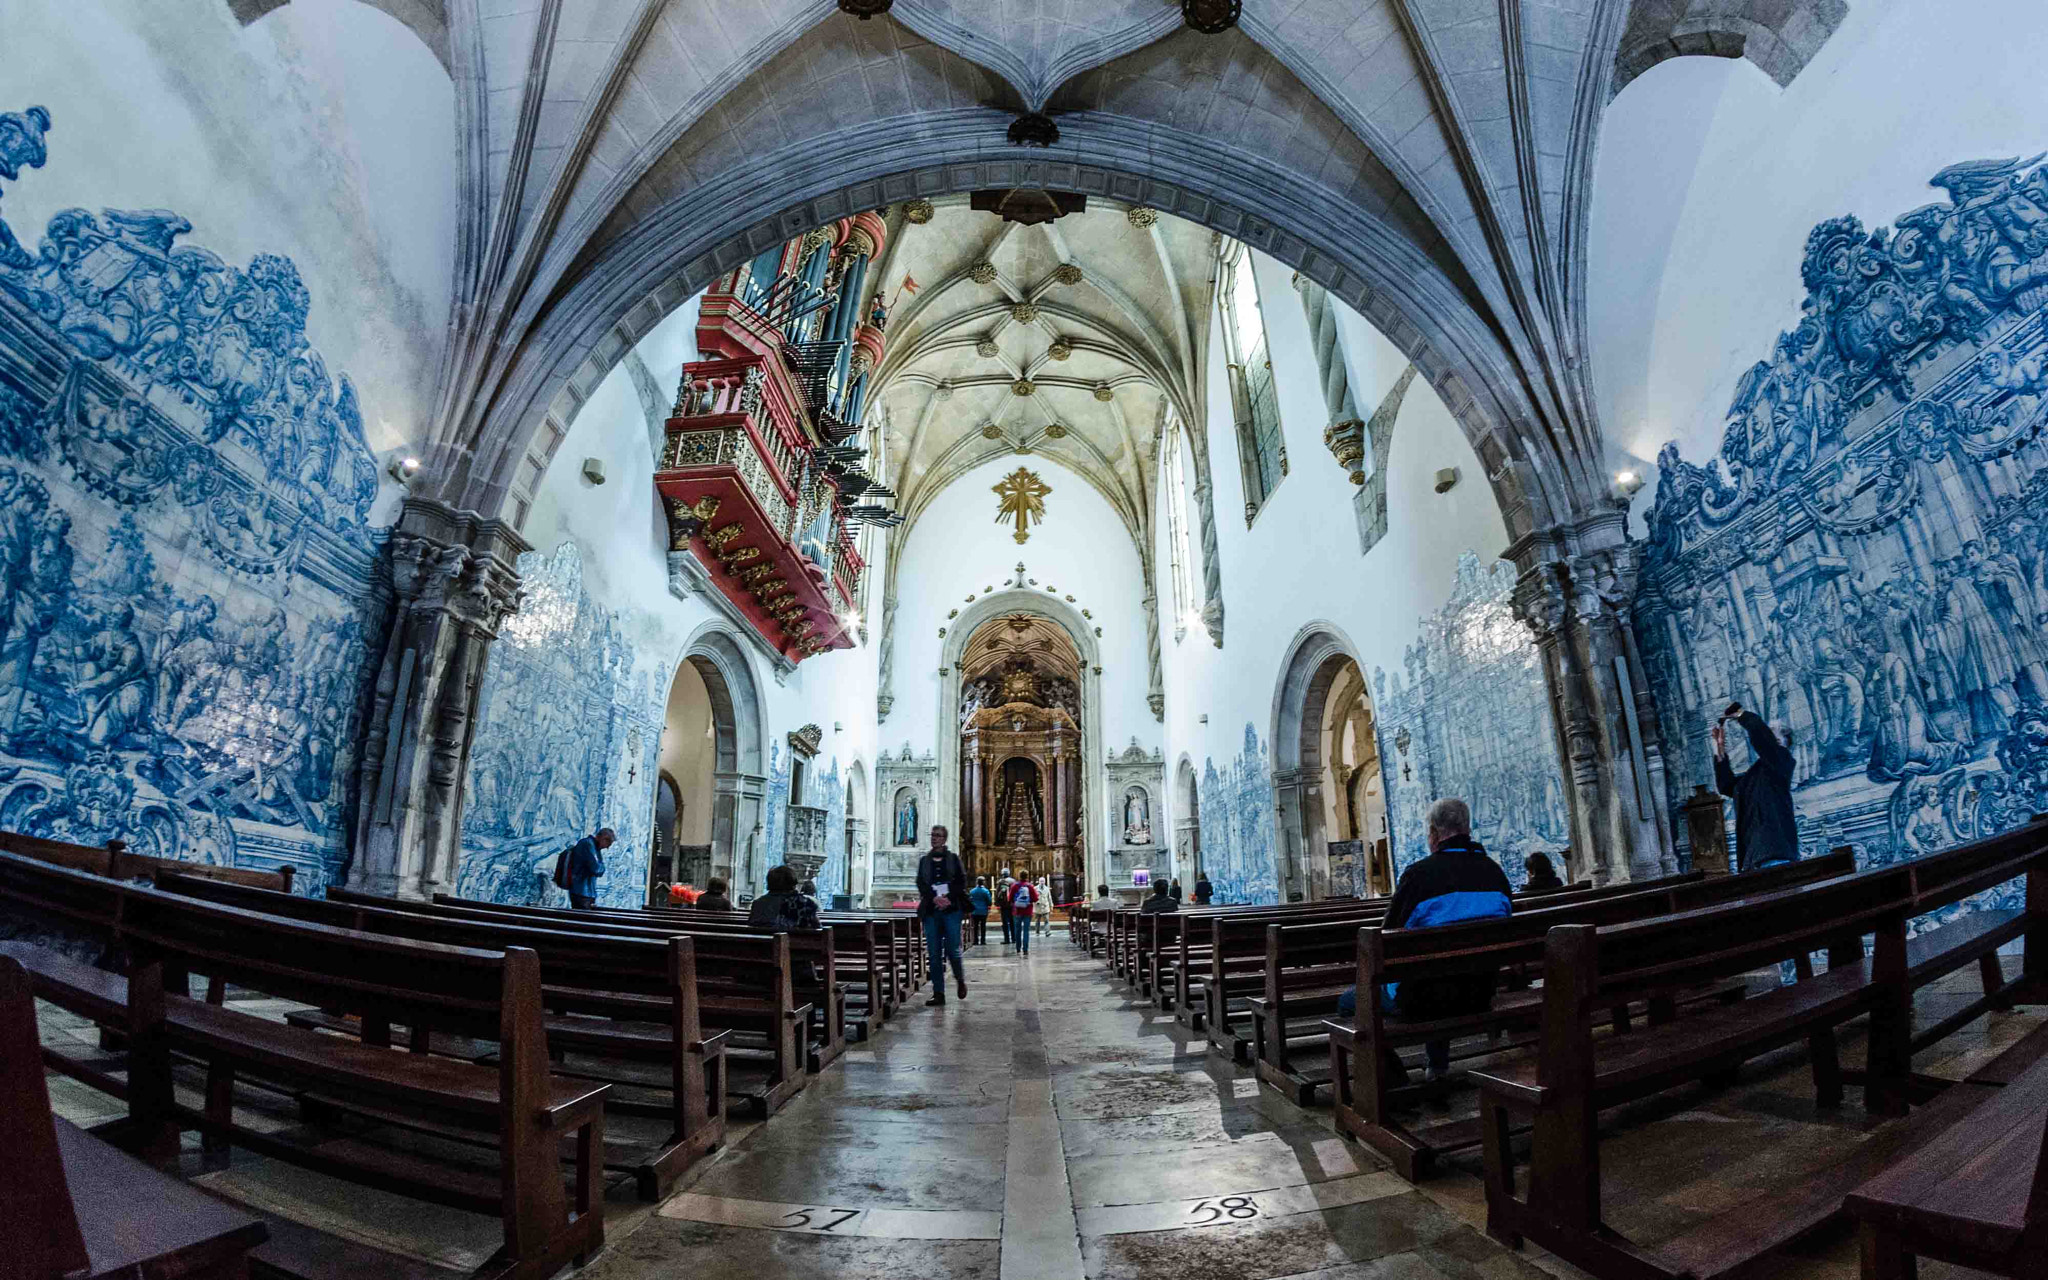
{"x":586,"y":865}
{"x":1162,"y":900}
{"x":1766,"y":831}
{"x":1543,"y":877}
{"x":941,"y":902}
{"x":782,"y":908}
{"x":1204,"y":891}
{"x":1458,"y":882}
{"x":714,"y":896}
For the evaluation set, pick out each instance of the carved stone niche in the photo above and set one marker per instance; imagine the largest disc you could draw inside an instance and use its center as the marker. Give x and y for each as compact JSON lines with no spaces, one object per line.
{"x":906,"y":789}
{"x":1137,"y":799}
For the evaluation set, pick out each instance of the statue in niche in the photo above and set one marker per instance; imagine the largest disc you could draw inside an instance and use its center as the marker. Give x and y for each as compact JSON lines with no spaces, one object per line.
{"x":1137,"y":817}
{"x":906,"y":816}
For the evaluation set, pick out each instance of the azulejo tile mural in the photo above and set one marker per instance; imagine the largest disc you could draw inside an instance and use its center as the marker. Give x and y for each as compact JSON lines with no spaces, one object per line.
{"x":188,"y":578}
{"x":1470,"y":718}
{"x":568,"y":738}
{"x":1865,"y":559}
{"x":1236,"y":805}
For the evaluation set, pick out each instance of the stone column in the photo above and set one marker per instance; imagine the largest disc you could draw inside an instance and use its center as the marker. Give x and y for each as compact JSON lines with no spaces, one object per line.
{"x":1298,"y":806}
{"x":1155,"y":692}
{"x":885,"y":675}
{"x":739,"y":813}
{"x":453,"y":583}
{"x":1575,"y":593}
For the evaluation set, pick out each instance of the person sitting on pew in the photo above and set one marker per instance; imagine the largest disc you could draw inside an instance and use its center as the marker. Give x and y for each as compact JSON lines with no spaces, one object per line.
{"x":714,"y":897}
{"x":1457,"y":882}
{"x":782,"y":908}
{"x":1162,"y":899}
{"x":1543,"y":877}
{"x":1103,"y":900}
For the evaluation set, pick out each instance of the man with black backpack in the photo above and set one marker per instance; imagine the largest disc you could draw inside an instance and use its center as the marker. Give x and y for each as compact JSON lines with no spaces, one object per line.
{"x":578,"y":867}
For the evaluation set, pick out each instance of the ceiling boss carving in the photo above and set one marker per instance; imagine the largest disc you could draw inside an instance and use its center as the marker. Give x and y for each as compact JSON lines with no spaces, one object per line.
{"x":1022,"y":496}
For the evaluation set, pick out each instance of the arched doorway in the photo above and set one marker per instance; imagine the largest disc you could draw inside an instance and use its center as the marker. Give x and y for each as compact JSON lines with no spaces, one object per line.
{"x":1022,"y":749}
{"x":1187,"y":823}
{"x":711,"y":754}
{"x":1331,"y":806}
{"x":684,"y":787}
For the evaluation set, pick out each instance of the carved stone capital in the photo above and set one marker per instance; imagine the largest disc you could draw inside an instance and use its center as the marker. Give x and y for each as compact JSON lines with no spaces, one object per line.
{"x":1346,"y":442}
{"x":456,"y":562}
{"x":918,"y":212}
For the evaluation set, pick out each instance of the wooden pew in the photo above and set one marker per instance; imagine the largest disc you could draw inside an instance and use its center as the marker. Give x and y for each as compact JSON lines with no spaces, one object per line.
{"x":114,"y":861}
{"x":1571,"y":1075}
{"x":514,"y":1107}
{"x":739,"y":993}
{"x":82,"y":1209}
{"x":863,"y":955}
{"x":813,"y":959}
{"x":1367,"y":1101}
{"x":1232,"y":959}
{"x":1975,"y":1195}
{"x":622,"y":1001}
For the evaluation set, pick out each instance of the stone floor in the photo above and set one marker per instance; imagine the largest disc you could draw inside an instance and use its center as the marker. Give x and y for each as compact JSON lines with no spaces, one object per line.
{"x":1052,"y":1127}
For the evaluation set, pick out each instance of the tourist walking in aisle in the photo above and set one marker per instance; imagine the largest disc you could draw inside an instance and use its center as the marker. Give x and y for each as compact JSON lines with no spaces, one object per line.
{"x":978,"y":899}
{"x":941,"y":903}
{"x":1004,"y":887}
{"x":586,"y":866}
{"x":1041,"y":907}
{"x":1023,"y":896}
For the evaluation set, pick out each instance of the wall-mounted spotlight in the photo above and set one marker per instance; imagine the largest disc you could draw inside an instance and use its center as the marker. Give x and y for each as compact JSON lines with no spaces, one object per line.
{"x":593,"y":470}
{"x":403,"y":467}
{"x":1626,"y":483}
{"x":1446,"y":479}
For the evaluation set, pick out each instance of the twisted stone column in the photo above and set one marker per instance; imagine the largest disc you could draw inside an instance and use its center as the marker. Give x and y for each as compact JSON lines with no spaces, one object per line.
{"x":1575,"y":594}
{"x":453,"y":584}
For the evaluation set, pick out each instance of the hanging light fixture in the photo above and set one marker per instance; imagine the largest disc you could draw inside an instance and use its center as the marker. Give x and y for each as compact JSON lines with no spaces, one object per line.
{"x":1210,"y":17}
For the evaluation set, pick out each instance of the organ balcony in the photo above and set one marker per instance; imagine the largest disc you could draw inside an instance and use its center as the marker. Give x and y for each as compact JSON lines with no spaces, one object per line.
{"x":758,"y":474}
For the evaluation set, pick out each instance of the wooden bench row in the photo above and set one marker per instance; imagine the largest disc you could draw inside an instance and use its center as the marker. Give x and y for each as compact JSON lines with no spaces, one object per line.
{"x":1300,"y":1049}
{"x":114,"y":861}
{"x":1558,"y":1086}
{"x":521,"y":1117}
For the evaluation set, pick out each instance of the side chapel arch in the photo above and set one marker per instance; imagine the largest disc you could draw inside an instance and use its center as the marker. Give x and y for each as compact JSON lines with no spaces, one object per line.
{"x":1319,"y":659}
{"x":739,"y":774}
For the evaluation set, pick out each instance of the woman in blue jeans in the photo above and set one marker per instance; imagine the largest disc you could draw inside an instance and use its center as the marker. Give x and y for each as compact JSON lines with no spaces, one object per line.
{"x":1023,"y":897}
{"x":941,"y":902}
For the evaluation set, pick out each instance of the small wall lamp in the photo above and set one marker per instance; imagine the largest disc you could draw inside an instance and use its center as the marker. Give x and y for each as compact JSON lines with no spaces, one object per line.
{"x":403,"y":467}
{"x":1626,"y":483}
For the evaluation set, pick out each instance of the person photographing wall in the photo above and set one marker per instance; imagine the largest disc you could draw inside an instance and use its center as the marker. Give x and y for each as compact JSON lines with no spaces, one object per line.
{"x":1766,"y":829}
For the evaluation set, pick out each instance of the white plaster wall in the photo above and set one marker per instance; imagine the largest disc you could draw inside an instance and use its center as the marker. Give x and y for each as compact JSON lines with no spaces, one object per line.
{"x":958,"y":549}
{"x":325,"y":133}
{"x":1709,"y":178}
{"x":1299,"y":563}
{"x":623,"y":536}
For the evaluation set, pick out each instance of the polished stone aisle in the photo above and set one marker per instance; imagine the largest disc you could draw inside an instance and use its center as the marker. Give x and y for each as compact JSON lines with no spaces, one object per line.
{"x":1048,"y":1128}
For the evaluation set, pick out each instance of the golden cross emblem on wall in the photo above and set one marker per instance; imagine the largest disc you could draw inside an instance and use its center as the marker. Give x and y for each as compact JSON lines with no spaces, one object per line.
{"x":1023,"y":500}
